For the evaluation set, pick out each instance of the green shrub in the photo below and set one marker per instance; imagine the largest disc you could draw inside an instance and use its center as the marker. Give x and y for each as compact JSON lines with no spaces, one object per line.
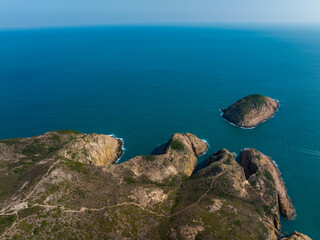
{"x":76,"y":166}
{"x":25,"y":226}
{"x":149,"y":158}
{"x":252,"y":101}
{"x":229,"y":159}
{"x":11,"y":141}
{"x":177,"y":145}
{"x":260,"y":211}
{"x":36,"y":231}
{"x":129,"y":180}
{"x":6,"y":221}
{"x":268,"y":175}
{"x":29,"y":211}
{"x":68,"y":132}
{"x":36,"y":147}
{"x":237,"y":223}
{"x":55,"y":138}
{"x":44,"y":223}
{"x":267,"y":210}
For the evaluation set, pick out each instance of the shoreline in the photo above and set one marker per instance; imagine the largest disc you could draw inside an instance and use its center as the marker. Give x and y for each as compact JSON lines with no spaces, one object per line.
{"x":253,"y":127}
{"x":122,"y":147}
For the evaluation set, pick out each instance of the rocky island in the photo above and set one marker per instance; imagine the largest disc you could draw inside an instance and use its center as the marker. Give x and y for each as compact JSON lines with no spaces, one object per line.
{"x":250,"y":111}
{"x":64,"y":185}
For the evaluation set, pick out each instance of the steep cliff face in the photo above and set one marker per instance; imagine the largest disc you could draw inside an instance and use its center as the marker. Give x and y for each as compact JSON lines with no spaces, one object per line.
{"x":214,"y":204}
{"x":47,"y":192}
{"x":264,"y":176}
{"x":241,"y":201}
{"x":95,"y":149}
{"x":250,"y":111}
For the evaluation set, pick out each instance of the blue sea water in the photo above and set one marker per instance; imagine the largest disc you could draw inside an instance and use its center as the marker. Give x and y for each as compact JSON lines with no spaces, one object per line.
{"x":145,"y":83}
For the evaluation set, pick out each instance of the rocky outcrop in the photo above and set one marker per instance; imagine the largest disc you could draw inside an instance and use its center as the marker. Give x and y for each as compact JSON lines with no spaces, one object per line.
{"x":95,"y":149}
{"x":192,"y":144}
{"x":183,"y":149}
{"x":236,"y":177}
{"x":220,"y":194}
{"x":264,"y":176}
{"x":178,"y":159}
{"x":49,"y":190}
{"x":199,"y":146}
{"x":250,"y":111}
{"x":296,"y":236}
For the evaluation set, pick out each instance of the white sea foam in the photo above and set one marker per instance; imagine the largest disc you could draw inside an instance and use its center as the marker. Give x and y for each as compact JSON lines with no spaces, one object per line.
{"x":308,"y":151}
{"x":274,"y":162}
{"x":204,"y":140}
{"x":233,"y":123}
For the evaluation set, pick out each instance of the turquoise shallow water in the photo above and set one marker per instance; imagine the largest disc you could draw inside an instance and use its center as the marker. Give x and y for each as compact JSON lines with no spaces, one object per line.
{"x":145,"y":83}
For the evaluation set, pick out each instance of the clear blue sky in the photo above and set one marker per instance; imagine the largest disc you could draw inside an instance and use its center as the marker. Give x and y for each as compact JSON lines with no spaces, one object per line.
{"x":41,"y":13}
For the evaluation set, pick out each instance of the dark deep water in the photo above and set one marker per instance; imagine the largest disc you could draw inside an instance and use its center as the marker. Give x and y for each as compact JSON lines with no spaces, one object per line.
{"x":145,"y":83}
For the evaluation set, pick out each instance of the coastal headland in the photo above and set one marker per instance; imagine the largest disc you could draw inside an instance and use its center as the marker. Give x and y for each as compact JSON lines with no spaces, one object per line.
{"x":65,"y":185}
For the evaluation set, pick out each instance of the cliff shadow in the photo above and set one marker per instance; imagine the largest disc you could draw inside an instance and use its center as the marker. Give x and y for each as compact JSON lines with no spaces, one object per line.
{"x":159,"y":149}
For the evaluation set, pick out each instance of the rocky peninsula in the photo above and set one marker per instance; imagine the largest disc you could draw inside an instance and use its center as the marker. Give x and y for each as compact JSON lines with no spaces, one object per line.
{"x":250,"y":111}
{"x":65,"y":185}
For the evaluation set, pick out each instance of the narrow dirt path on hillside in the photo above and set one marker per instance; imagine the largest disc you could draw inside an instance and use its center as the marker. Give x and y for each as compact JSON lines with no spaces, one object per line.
{"x":205,"y":194}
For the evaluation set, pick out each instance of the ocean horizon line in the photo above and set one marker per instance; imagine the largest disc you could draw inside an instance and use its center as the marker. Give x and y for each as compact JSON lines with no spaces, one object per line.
{"x":231,"y":25}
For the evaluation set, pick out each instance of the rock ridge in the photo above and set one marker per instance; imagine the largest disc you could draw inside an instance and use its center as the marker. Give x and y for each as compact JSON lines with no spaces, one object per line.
{"x":64,"y":185}
{"x":254,"y":162}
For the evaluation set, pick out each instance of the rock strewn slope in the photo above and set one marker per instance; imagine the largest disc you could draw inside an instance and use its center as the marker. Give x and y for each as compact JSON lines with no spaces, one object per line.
{"x":250,"y":111}
{"x":54,"y":196}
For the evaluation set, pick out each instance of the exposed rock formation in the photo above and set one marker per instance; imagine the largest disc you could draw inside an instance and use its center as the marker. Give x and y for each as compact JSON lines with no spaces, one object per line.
{"x":227,"y":191}
{"x":250,"y":111}
{"x":264,"y":175}
{"x":236,"y":176}
{"x":96,"y":149}
{"x":178,"y":158}
{"x":47,"y":192}
{"x":296,"y":236}
{"x":199,"y":146}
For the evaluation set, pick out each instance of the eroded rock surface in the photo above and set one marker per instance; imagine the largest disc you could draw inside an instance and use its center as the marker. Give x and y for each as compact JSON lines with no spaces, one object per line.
{"x":220,"y":195}
{"x":296,"y":236}
{"x":95,"y":149}
{"x":49,"y":190}
{"x":264,"y":175}
{"x":250,"y":111}
{"x":178,"y":159}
